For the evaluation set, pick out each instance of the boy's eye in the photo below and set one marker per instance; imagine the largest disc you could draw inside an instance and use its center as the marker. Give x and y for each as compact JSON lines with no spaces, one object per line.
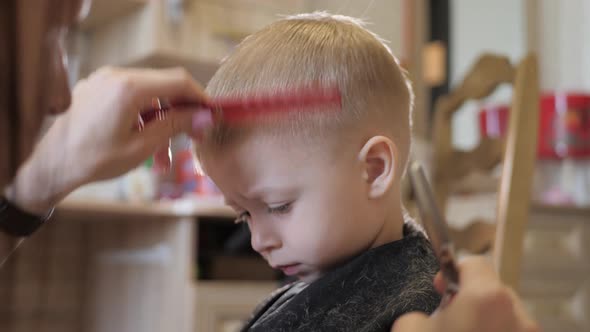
{"x":280,"y":209}
{"x":243,"y":217}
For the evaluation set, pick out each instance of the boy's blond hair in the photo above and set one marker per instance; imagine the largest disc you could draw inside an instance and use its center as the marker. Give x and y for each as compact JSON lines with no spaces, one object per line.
{"x":325,"y":49}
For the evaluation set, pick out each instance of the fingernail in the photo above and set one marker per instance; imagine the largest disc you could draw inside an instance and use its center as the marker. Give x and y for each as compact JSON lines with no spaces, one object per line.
{"x":201,"y":120}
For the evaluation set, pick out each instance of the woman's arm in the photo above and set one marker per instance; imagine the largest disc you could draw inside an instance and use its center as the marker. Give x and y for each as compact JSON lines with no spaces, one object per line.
{"x":97,"y":138}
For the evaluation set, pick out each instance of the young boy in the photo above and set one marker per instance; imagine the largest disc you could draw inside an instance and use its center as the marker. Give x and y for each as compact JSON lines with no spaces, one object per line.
{"x":320,"y":191}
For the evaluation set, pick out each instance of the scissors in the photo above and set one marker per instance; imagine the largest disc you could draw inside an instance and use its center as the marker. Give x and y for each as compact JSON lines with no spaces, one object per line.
{"x":437,"y":231}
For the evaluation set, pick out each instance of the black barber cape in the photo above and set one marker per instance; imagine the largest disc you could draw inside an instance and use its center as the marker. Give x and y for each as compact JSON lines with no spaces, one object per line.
{"x":364,"y":295}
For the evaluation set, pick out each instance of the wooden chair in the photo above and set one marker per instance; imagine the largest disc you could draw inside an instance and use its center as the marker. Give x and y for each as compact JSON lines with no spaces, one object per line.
{"x":516,"y":153}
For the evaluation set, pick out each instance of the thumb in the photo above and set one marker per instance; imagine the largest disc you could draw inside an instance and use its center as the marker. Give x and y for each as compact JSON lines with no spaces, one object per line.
{"x":412,"y":322}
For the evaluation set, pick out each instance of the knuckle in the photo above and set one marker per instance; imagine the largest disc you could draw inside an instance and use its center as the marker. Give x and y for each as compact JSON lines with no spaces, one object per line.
{"x":124,"y":84}
{"x":80,"y":85}
{"x":105,"y":71}
{"x":183,"y":74}
{"x":495,"y":296}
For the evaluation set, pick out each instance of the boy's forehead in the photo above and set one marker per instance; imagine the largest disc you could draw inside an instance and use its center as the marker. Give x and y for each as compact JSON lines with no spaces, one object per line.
{"x":264,"y":158}
{"x":245,"y":158}
{"x":259,"y":167}
{"x":256,"y":181}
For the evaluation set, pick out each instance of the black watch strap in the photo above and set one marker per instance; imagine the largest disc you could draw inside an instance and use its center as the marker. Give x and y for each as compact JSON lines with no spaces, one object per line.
{"x":16,"y":222}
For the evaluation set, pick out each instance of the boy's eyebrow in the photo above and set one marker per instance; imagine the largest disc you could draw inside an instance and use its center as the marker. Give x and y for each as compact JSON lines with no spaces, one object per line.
{"x":263,"y":191}
{"x":258,"y":192}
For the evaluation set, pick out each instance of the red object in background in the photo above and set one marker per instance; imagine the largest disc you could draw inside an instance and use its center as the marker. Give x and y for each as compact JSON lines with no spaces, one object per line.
{"x":564,"y":125}
{"x":188,"y":177}
{"x":493,"y":121}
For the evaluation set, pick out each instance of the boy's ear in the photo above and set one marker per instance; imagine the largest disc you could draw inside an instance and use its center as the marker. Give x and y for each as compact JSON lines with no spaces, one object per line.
{"x":378,"y":157}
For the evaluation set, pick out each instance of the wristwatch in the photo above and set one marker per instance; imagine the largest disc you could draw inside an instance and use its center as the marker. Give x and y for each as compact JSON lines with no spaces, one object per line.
{"x":17,"y":222}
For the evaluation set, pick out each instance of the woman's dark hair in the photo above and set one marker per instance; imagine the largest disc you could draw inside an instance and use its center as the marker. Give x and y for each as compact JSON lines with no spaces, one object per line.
{"x":10,"y":150}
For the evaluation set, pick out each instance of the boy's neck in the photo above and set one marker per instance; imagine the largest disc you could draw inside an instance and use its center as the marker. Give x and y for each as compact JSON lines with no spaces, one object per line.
{"x":392,"y":226}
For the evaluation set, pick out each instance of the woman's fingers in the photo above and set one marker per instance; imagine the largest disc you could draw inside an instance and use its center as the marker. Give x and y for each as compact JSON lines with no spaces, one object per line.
{"x":412,"y":322}
{"x":172,"y":84}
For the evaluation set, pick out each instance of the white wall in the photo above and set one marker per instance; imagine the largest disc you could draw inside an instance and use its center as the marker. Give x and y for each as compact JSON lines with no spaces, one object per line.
{"x":563,"y":41}
{"x":479,"y":26}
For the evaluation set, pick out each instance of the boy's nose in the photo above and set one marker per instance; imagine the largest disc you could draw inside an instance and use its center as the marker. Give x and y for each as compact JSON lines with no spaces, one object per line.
{"x":264,"y":240}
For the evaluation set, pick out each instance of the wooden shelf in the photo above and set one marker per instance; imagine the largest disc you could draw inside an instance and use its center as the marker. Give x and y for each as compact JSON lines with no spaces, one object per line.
{"x":190,"y":207}
{"x":560,"y":210}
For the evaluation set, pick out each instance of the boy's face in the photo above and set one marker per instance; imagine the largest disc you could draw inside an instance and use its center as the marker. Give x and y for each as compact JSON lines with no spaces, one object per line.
{"x":307,"y":206}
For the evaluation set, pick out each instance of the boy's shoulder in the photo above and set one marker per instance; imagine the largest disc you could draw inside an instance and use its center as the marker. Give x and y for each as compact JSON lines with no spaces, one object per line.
{"x":366,"y":294}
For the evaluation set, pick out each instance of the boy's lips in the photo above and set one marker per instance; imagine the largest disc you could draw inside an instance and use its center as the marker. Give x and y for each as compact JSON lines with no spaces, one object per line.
{"x":289,"y":269}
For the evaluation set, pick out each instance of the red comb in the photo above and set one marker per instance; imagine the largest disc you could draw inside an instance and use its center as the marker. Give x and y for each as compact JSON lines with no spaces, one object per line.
{"x":239,"y":109}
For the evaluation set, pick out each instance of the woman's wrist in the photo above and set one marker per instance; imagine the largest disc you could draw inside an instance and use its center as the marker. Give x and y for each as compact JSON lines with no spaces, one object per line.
{"x":44,"y":179}
{"x":33,"y":191}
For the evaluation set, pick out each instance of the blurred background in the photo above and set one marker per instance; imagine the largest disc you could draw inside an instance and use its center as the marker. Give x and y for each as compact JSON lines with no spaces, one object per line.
{"x":160,"y":252}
